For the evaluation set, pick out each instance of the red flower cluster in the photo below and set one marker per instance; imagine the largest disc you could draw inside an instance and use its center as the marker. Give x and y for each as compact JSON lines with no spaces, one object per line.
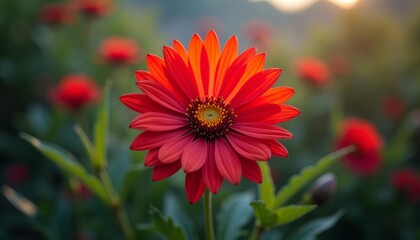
{"x":209,"y":111}
{"x":408,"y":182}
{"x":75,"y":91}
{"x":56,"y":13}
{"x":364,"y":136}
{"x":119,"y":50}
{"x":93,"y":8}
{"x":314,"y":71}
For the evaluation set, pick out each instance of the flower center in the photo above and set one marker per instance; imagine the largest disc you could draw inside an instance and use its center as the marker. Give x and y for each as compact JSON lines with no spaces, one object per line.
{"x":209,"y":118}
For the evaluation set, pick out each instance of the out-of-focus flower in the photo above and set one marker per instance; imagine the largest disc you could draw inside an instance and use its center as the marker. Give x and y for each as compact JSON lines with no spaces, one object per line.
{"x":93,"y":8}
{"x":259,"y":31}
{"x":322,"y":189}
{"x":119,"y":51}
{"x":368,"y":142}
{"x":408,"y":182}
{"x":16,"y":173}
{"x":75,"y":91}
{"x":56,"y":13}
{"x":339,"y":65}
{"x":210,"y":112}
{"x":393,"y":107}
{"x":314,"y":71}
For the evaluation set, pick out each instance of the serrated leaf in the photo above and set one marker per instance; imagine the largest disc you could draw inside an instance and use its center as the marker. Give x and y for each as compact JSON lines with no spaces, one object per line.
{"x":290,"y":213}
{"x":67,"y":162}
{"x":100,"y":136}
{"x":266,"y":189}
{"x":163,"y":225}
{"x":265,"y":216}
{"x":310,"y":230}
{"x":234,"y":214}
{"x":297,"y":182}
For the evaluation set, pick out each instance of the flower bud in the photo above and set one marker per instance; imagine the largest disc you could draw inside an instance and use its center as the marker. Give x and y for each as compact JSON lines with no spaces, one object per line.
{"x":322,"y":189}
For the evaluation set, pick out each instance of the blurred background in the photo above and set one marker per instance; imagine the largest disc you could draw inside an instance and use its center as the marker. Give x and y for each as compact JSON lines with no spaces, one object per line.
{"x":344,"y":58}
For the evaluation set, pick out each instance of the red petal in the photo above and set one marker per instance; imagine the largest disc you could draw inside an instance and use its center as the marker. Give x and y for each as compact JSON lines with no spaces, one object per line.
{"x":194,"y":155}
{"x":251,"y":171}
{"x":229,"y":53}
{"x":155,"y":121}
{"x":194,"y":186}
{"x":151,"y":158}
{"x":227,"y":161}
{"x":156,"y":67}
{"x":149,"y":140}
{"x":140,"y":103}
{"x":262,"y":130}
{"x":287,"y":112}
{"x":194,"y":54}
{"x":211,"y":44}
{"x":180,"y":49}
{"x":160,"y":95}
{"x":258,"y":113}
{"x":277,"y":149}
{"x":248,"y":147}
{"x":165,"y":170}
{"x":211,"y":175}
{"x":172,"y":150}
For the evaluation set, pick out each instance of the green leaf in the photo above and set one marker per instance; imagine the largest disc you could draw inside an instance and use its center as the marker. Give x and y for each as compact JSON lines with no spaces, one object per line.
{"x":163,"y":225}
{"x":67,"y":162}
{"x":265,"y":216}
{"x":100,"y":136}
{"x":297,"y":182}
{"x":266,"y":189}
{"x":291,"y":213}
{"x":90,"y":149}
{"x":234,"y":214}
{"x":310,"y":230}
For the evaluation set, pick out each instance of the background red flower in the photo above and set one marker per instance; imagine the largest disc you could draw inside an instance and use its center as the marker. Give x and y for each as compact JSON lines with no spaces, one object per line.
{"x":408,"y":182}
{"x":314,"y":71}
{"x":119,"y":50}
{"x":56,"y":13}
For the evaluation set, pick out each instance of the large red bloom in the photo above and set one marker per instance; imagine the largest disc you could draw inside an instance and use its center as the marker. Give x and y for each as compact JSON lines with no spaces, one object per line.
{"x":210,"y":112}
{"x":75,"y":91}
{"x":314,"y":71}
{"x":56,"y":13}
{"x":408,"y":182}
{"x":364,"y":136}
{"x":119,"y":50}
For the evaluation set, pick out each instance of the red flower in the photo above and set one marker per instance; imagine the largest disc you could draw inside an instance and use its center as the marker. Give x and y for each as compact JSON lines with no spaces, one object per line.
{"x":364,"y":136}
{"x":56,"y":14}
{"x":393,"y":107}
{"x":16,"y":173}
{"x":408,"y":182}
{"x":314,"y":71}
{"x":118,"y":50}
{"x":75,"y":91}
{"x":260,"y":32}
{"x":93,"y":8}
{"x":210,"y":112}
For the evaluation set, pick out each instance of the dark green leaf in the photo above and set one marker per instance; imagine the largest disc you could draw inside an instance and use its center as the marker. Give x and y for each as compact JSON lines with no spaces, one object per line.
{"x":291,"y":213}
{"x":297,"y":182}
{"x":265,"y":216}
{"x":90,"y":149}
{"x":163,"y":225}
{"x":132,"y":173}
{"x":266,"y":188}
{"x":234,"y":214}
{"x":310,"y":230}
{"x":100,"y":136}
{"x":67,"y":162}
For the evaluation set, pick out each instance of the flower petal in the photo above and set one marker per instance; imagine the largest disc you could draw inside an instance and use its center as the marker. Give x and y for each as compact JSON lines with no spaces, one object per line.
{"x":172,"y":150}
{"x":229,"y":53}
{"x":258,"y":113}
{"x":157,"y":67}
{"x":212,"y":46}
{"x":194,"y":54}
{"x":151,"y":158}
{"x":251,"y":171}
{"x":141,"y":103}
{"x":227,"y":161}
{"x":262,"y":130}
{"x":287,"y":112}
{"x":160,"y":95}
{"x":194,"y":186}
{"x":248,"y":147}
{"x":162,"y":171}
{"x":194,"y":155}
{"x":149,"y":140}
{"x":277,"y":149}
{"x":256,"y":86}
{"x":211,"y":175}
{"x":180,"y":49}
{"x":155,"y":121}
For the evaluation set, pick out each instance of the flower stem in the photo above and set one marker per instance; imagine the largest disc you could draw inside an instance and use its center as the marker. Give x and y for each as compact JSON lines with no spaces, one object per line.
{"x":116,"y":206}
{"x":257,"y":232}
{"x":208,"y":216}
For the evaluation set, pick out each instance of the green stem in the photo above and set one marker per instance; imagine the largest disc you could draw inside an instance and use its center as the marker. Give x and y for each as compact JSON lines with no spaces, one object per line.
{"x":116,"y":207}
{"x":208,"y":216}
{"x":257,"y":232}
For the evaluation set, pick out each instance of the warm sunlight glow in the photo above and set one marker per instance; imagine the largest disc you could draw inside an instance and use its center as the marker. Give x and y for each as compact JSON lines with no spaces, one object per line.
{"x":289,"y":5}
{"x":345,"y":3}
